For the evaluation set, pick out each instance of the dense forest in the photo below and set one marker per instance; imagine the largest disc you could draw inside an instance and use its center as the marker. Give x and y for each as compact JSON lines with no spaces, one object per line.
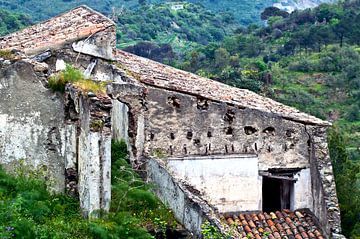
{"x":308,"y":59}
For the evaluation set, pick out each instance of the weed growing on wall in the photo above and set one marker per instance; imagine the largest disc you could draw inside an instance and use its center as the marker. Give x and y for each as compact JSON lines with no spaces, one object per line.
{"x":73,"y":75}
{"x":6,"y":54}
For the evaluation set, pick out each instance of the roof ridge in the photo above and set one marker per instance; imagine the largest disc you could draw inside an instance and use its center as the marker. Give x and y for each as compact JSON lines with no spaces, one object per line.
{"x":75,"y":24}
{"x":93,"y":11}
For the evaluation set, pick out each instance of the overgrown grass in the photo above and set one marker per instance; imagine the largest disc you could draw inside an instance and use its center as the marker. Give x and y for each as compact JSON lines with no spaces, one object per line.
{"x":72,"y":75}
{"x":28,"y":210}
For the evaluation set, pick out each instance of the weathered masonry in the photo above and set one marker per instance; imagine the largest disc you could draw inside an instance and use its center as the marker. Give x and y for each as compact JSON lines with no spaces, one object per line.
{"x":215,"y":152}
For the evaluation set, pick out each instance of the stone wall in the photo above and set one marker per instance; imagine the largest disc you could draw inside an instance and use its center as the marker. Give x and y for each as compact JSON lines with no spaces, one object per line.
{"x":31,"y":123}
{"x":326,"y":206}
{"x":67,"y":138}
{"x":180,"y":125}
{"x":90,"y":114}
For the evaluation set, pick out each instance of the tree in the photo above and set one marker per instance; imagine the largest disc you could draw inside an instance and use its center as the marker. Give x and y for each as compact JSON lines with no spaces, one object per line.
{"x":273,"y":12}
{"x":222,"y":57}
{"x":346,"y":177}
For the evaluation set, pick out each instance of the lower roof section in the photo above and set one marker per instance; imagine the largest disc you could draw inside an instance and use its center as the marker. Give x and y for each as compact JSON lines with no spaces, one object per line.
{"x":299,"y":224}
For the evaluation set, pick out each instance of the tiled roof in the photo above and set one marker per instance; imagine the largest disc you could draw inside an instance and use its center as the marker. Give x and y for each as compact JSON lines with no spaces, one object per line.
{"x":159,"y":75}
{"x":78,"y":23}
{"x":285,"y":224}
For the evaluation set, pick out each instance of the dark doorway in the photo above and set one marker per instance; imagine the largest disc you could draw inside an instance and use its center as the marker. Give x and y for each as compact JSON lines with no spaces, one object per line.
{"x":276,"y":194}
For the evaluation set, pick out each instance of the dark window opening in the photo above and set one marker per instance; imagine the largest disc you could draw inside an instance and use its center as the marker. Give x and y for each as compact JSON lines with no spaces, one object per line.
{"x":229,"y":131}
{"x":276,"y":194}
{"x":249,"y":130}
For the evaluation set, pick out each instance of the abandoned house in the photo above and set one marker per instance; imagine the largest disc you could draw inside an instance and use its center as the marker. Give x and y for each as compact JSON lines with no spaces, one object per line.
{"x":216,"y":153}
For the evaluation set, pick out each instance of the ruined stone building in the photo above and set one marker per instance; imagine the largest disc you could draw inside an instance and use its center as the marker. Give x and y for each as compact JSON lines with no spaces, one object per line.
{"x":216,"y":153}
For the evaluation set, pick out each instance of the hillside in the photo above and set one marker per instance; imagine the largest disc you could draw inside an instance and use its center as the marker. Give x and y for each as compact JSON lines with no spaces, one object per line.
{"x":310,"y":60}
{"x":11,"y":21}
{"x":245,"y":11}
{"x":171,"y":28}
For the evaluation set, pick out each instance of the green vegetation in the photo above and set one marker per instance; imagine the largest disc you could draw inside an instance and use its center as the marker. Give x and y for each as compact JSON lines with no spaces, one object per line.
{"x":6,"y":54}
{"x":28,"y":210}
{"x":72,"y":75}
{"x":162,"y":33}
{"x":247,"y":11}
{"x":310,"y":60}
{"x":347,"y":179}
{"x":10,"y":21}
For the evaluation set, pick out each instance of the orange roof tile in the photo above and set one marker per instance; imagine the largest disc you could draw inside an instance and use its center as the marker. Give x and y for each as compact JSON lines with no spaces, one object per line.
{"x":284,"y":224}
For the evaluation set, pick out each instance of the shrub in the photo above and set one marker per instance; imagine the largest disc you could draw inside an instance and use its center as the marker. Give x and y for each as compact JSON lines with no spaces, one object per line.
{"x":28,"y":210}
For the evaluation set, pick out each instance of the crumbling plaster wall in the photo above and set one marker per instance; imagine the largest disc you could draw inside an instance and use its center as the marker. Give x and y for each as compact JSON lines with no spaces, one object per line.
{"x":230,"y":183}
{"x":189,"y":209}
{"x":67,"y":136}
{"x":179,"y":125}
{"x":31,"y":123}
{"x":90,"y":114}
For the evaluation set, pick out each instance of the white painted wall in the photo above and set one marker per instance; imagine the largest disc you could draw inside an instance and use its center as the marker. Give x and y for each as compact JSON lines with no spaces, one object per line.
{"x":230,"y":183}
{"x":120,"y":121}
{"x":302,"y":196}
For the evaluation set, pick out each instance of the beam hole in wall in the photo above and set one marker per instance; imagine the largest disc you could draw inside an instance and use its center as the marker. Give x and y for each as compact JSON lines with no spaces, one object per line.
{"x":249,"y":130}
{"x":172,"y":136}
{"x":202,"y":104}
{"x":269,"y":130}
{"x":185,"y":149}
{"x":189,"y":135}
{"x":229,"y":116}
{"x":197,"y":142}
{"x":209,"y":134}
{"x":289,"y":132}
{"x":229,"y":131}
{"x":171,"y":150}
{"x":152,"y":136}
{"x":174,"y":101}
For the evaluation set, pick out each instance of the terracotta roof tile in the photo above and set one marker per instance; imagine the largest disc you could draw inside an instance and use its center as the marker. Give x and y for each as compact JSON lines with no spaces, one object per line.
{"x":162,"y":76}
{"x":78,"y":23}
{"x":278,"y":225}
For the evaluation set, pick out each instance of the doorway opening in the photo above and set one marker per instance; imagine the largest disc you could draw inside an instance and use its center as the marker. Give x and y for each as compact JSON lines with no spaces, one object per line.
{"x":277,"y":193}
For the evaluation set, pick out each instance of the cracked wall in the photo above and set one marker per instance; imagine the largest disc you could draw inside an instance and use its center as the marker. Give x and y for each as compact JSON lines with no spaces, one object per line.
{"x":180,"y":125}
{"x":31,"y":123}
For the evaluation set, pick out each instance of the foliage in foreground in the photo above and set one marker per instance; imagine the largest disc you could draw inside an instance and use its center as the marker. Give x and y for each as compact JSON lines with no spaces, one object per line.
{"x":28,"y":210}
{"x":347,"y":177}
